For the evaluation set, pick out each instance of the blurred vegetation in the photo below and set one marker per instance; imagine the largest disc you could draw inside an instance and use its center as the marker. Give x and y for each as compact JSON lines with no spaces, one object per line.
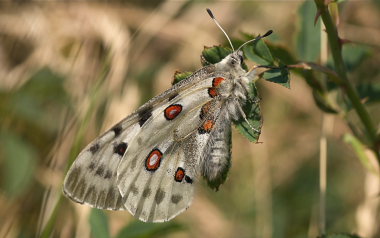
{"x":70,"y":71}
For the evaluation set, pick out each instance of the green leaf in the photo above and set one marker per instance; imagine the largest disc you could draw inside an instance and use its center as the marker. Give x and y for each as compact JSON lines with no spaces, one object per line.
{"x":369,"y":91}
{"x":250,"y":54}
{"x":259,"y":53}
{"x":99,"y":224}
{"x":309,"y":36}
{"x":278,"y":75}
{"x":19,"y":163}
{"x":262,"y":50}
{"x":359,"y":149}
{"x":215,"y":54}
{"x":139,"y":229}
{"x":253,"y":114}
{"x":282,"y":53}
{"x":179,"y":76}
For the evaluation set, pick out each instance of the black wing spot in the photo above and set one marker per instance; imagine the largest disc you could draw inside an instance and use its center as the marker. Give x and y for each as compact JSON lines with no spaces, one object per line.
{"x":117,"y":130}
{"x":188,"y":179}
{"x":160,"y":195}
{"x":94,"y":148}
{"x":176,"y":198}
{"x":100,"y":170}
{"x":144,"y":115}
{"x":91,"y":167}
{"x":146,"y":192}
{"x":201,"y":130}
{"x":108,"y":174}
{"x":120,"y":148}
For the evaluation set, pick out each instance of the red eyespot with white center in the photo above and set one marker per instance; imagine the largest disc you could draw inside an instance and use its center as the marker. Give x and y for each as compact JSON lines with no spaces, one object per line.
{"x":172,"y":111}
{"x":153,"y":160}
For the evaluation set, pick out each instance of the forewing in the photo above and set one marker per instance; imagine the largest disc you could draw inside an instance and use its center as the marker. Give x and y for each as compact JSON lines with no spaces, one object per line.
{"x":92,"y":177}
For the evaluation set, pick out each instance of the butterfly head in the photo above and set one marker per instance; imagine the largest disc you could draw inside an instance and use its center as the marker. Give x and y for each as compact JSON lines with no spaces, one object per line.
{"x":232,"y":63}
{"x":235,"y":59}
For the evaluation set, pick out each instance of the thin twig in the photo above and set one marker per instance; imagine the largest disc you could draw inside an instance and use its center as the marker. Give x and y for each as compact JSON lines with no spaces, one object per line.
{"x":323,"y":149}
{"x":322,"y":177}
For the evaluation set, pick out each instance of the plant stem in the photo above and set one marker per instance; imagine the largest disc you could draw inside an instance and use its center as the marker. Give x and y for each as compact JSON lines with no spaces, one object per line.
{"x":322,"y":176}
{"x":346,"y":85}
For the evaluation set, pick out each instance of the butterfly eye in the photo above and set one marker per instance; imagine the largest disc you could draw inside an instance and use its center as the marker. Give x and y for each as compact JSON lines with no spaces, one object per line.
{"x":241,"y":59}
{"x":233,"y":62}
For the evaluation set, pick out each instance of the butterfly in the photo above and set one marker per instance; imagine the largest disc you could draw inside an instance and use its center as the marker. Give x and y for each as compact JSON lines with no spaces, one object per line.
{"x":149,"y":162}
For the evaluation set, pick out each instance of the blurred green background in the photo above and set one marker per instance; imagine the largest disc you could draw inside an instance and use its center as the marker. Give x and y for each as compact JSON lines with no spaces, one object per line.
{"x":69,"y":71}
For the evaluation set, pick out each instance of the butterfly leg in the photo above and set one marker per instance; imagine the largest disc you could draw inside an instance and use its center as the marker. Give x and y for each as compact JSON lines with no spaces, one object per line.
{"x":245,"y":117}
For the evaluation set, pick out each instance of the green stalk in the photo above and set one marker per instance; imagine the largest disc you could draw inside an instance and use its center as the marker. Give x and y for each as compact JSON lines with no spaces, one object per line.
{"x":346,"y":85}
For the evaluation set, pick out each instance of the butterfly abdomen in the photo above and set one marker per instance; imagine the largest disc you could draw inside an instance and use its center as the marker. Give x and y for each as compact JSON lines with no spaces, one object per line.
{"x":217,"y":154}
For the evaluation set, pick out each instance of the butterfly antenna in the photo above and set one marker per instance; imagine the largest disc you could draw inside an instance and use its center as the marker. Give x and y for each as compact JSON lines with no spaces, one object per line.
{"x":256,"y":39}
{"x":220,"y":27}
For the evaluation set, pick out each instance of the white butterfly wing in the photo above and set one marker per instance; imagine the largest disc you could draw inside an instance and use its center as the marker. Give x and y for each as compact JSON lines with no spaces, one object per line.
{"x":99,"y":176}
{"x":92,"y":177}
